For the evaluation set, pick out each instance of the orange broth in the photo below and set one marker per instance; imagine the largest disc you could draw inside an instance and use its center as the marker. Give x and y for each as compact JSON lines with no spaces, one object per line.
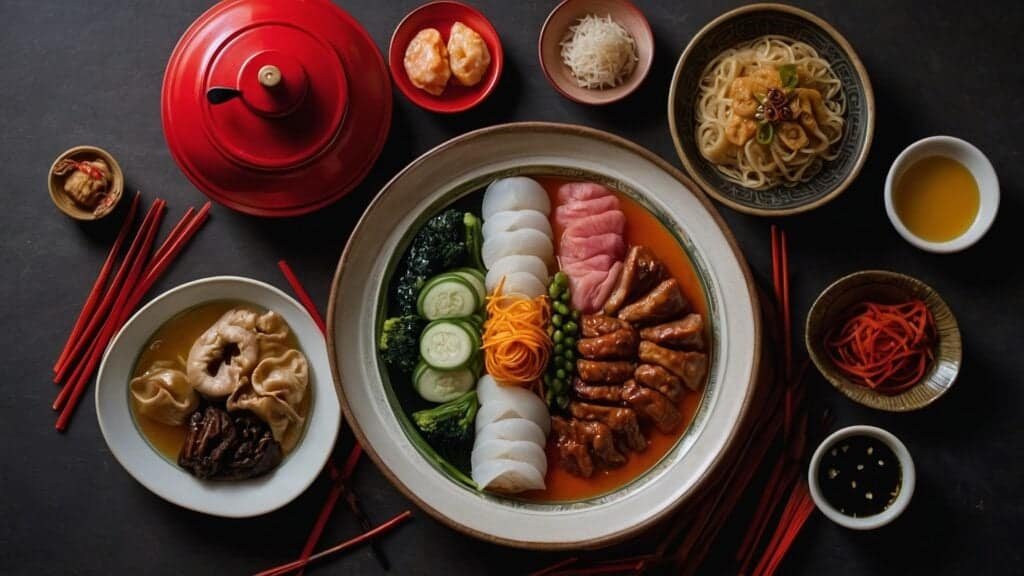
{"x":641,"y":228}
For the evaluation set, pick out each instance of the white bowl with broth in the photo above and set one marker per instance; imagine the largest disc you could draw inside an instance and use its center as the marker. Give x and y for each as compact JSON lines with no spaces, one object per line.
{"x":942,"y":222}
{"x":162,"y":475}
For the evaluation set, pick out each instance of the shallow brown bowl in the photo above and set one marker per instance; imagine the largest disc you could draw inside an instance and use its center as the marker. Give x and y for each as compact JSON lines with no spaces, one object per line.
{"x":557,"y":26}
{"x":887,"y":287}
{"x":69,"y":206}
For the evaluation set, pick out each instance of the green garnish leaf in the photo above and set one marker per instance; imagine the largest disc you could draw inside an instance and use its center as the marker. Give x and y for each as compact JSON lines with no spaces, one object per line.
{"x":765,"y":133}
{"x":788,"y":76}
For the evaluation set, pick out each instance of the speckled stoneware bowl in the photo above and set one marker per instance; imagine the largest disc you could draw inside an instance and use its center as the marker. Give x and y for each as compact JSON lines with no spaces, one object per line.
{"x":887,"y":287}
{"x":742,"y":25}
{"x":373,"y":403}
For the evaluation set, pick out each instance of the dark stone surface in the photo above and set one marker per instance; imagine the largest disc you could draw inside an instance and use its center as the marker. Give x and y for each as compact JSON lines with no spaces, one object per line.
{"x":90,"y":72}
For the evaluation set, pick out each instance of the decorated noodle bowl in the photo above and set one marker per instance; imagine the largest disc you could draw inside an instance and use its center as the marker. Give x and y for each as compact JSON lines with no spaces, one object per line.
{"x":382,"y":404}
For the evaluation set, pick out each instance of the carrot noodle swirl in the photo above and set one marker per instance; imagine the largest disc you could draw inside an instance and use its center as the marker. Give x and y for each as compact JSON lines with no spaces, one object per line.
{"x":515,"y":340}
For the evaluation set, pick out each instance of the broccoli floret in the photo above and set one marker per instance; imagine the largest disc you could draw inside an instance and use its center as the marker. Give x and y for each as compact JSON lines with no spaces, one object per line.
{"x":449,"y":427}
{"x":439,"y":245}
{"x":399,"y":342}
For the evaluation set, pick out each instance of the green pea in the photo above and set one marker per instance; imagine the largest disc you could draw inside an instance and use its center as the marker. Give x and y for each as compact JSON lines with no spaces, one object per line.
{"x":561,"y":279}
{"x":554,"y":291}
{"x":569,"y":355}
{"x":571,"y":327}
{"x":570,"y":341}
{"x":564,"y":296}
{"x":557,"y":336}
{"x":560,"y":374}
{"x":561,"y":308}
{"x":567,"y":365}
{"x":557,"y":320}
{"x":576,"y":315}
{"x":559,"y":349}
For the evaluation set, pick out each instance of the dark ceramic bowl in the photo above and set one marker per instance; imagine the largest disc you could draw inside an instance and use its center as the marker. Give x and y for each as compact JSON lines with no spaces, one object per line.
{"x":888,"y":287}
{"x":742,"y":25}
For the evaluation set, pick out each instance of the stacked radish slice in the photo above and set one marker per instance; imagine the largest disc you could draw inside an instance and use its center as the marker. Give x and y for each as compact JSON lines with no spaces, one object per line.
{"x":511,"y":430}
{"x":517,"y":236}
{"x":592,"y":246}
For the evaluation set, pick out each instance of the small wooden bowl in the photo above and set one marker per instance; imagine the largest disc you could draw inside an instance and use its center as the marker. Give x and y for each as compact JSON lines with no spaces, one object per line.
{"x":557,"y":26}
{"x":69,"y":206}
{"x":889,"y":287}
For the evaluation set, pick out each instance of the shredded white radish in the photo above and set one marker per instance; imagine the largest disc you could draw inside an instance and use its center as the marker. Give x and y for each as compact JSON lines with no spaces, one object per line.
{"x":599,"y":52}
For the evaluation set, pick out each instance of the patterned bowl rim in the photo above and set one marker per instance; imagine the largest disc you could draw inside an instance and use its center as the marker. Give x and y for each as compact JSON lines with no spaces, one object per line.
{"x":941,"y":375}
{"x":869,"y":110}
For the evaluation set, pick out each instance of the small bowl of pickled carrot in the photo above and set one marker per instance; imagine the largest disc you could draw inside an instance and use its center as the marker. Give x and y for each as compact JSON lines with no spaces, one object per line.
{"x":942,"y":194}
{"x":884,"y":340}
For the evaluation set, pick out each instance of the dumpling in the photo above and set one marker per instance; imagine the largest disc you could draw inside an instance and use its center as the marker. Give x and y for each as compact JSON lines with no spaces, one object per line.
{"x":164,"y":394}
{"x":514,"y":193}
{"x":272,"y":332}
{"x":468,"y":53}
{"x":274,"y":393}
{"x":509,"y":220}
{"x":426,"y":62}
{"x":526,"y":242}
{"x":225,"y":355}
{"x":507,"y":476}
{"x":516,"y":263}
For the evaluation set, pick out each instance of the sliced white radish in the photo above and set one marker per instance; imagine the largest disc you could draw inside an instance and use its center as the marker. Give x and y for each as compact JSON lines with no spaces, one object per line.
{"x":519,"y":450}
{"x":516,"y":193}
{"x":507,"y":476}
{"x":526,"y":241}
{"x":519,"y":407}
{"x":517,"y":263}
{"x":510,"y":220}
{"x":516,"y":429}
{"x":523,"y":284}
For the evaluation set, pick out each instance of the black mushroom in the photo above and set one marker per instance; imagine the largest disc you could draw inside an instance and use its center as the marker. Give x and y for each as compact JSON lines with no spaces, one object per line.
{"x":228,"y":446}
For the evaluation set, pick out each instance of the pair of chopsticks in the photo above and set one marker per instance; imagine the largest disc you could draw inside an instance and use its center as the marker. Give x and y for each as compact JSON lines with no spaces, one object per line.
{"x":111,"y":301}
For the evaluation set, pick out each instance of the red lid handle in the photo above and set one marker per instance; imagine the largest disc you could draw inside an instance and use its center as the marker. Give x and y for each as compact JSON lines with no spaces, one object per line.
{"x":272,"y":83}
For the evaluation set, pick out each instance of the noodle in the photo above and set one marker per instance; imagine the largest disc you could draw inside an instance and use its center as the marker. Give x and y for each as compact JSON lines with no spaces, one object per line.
{"x":798,"y":146}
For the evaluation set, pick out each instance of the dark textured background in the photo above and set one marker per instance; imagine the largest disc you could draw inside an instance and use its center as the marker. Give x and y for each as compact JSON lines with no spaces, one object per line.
{"x":89,"y":72}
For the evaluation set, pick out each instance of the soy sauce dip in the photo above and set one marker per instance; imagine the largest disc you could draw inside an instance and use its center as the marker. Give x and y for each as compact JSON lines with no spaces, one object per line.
{"x":859,"y":476}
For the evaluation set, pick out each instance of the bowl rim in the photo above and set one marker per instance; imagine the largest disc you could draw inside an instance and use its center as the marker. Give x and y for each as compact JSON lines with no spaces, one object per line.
{"x":636,"y":81}
{"x":116,"y":184}
{"x":319,"y":435}
{"x":647,"y":155}
{"x":869,"y":109}
{"x":908,"y":481}
{"x":825,"y":367}
{"x":442,"y":106}
{"x":960,"y":149}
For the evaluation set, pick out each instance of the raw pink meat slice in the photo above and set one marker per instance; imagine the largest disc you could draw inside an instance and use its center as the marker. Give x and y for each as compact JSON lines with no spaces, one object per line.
{"x":599,"y":263}
{"x":583,"y":247}
{"x":567,"y":214}
{"x":590,"y":289}
{"x":581,"y":191}
{"x":612,"y":221}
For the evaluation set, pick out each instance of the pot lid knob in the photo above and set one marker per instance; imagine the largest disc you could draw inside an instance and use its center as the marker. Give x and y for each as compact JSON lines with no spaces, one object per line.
{"x":270,"y":76}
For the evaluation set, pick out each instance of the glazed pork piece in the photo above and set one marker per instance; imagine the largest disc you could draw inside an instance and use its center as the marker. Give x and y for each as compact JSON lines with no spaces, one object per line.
{"x":615,"y":345}
{"x":594,"y":325}
{"x":663,"y":303}
{"x":641,"y":272}
{"x":684,"y":334}
{"x":621,"y":421}
{"x":605,"y":372}
{"x":648,"y":403}
{"x":690,"y":367}
{"x":657,"y":378}
{"x":585,"y":445}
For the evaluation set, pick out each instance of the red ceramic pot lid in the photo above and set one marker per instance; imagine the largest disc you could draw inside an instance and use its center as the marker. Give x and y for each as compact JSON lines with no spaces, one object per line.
{"x":310,"y":113}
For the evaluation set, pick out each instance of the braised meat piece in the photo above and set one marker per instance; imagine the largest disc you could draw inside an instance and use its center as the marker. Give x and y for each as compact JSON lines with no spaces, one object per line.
{"x":622,"y":422}
{"x":619,"y":344}
{"x":684,"y":334}
{"x":657,"y":378}
{"x":585,"y":445}
{"x":230,"y":446}
{"x":604,"y":372}
{"x":599,"y":325}
{"x":648,"y":403}
{"x":691,"y":367}
{"x":666,"y":301}
{"x":640,"y":272}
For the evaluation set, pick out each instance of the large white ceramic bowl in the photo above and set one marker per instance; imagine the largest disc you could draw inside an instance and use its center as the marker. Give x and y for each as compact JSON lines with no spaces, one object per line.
{"x":464,"y":165}
{"x":166,"y":479}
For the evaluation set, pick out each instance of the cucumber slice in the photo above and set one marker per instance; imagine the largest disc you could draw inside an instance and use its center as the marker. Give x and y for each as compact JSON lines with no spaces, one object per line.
{"x":447,"y":296}
{"x":476,"y":279}
{"x":448,"y":344}
{"x":442,"y":386}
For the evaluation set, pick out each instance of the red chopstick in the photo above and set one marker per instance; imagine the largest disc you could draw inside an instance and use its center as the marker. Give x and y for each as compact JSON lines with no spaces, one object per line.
{"x":168,"y":251}
{"x":101,"y":280}
{"x":148,"y":232}
{"x":364,"y":537}
{"x":303,"y":296}
{"x":555,"y":567}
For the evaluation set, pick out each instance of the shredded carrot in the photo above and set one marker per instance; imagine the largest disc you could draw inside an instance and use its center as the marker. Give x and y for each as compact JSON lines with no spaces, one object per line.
{"x":515,"y":341}
{"x":887,"y":347}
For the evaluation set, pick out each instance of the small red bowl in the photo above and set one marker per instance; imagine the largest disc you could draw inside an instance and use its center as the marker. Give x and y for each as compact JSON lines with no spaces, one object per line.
{"x":442,"y":15}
